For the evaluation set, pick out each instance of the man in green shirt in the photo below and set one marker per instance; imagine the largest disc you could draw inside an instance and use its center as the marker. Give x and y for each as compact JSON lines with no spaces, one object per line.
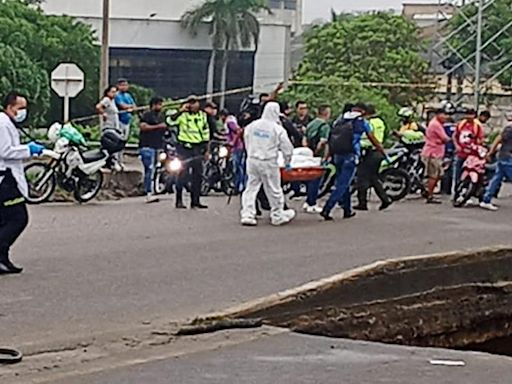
{"x":316,"y":139}
{"x":368,"y":169}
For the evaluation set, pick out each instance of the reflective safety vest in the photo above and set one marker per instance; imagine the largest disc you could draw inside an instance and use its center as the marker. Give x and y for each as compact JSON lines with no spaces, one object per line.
{"x":193,"y":128}
{"x":378,"y":130}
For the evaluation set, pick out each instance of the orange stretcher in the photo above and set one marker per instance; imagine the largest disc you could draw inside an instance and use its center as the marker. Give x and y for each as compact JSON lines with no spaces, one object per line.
{"x":301,"y":174}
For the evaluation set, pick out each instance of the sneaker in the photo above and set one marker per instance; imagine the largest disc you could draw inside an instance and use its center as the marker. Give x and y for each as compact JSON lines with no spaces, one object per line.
{"x":151,"y":199}
{"x":349,"y":215}
{"x":488,"y":206}
{"x":312,"y":209}
{"x":385,"y":205}
{"x":361,"y":208}
{"x":326,"y":216}
{"x":249,"y":222}
{"x":284,"y":218}
{"x":432,"y":200}
{"x":472,"y":203}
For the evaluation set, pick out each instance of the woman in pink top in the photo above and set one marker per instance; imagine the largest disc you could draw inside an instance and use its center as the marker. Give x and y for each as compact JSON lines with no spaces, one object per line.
{"x":433,"y":153}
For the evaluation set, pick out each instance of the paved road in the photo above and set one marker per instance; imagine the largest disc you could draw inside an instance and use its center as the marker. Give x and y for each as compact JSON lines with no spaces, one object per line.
{"x":296,"y":359}
{"x":112,"y":265}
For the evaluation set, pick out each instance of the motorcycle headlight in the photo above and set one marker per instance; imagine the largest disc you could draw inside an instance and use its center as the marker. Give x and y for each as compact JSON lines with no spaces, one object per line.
{"x":174,"y":165}
{"x":223,"y":152}
{"x":162,"y":157}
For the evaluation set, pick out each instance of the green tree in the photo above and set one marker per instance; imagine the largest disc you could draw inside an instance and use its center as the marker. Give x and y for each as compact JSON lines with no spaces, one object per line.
{"x":375,"y":47}
{"x":498,"y":53}
{"x":50,"y":40}
{"x":232,"y":23}
{"x":19,"y":72}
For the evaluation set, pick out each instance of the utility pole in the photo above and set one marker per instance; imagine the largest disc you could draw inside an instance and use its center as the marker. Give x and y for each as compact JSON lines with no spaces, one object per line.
{"x":105,"y":57}
{"x":478,"y":64}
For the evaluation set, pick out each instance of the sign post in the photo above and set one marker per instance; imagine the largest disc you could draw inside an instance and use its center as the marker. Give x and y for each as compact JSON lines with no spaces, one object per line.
{"x":67,"y":82}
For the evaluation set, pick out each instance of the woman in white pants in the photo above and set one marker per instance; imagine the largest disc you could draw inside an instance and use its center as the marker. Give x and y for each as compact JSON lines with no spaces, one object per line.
{"x":264,"y":139}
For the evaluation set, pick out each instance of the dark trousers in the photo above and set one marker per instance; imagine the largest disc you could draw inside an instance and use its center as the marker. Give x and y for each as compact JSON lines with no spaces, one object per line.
{"x":368,"y":177}
{"x":13,"y":216}
{"x":192,"y":172}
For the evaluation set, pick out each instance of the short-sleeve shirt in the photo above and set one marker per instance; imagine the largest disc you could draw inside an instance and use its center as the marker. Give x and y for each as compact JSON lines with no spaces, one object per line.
{"x":361,"y":127}
{"x":435,"y":140}
{"x":154,"y":138}
{"x":317,"y":130}
{"x":111,"y":120}
{"x":124,"y":98}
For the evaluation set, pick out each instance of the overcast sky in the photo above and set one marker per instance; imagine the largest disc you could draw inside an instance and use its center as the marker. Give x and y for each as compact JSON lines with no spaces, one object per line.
{"x":321,"y":8}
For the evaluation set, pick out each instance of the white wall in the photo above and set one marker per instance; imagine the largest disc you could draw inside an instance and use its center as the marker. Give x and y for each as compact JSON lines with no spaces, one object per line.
{"x":165,"y":9}
{"x":271,"y":62}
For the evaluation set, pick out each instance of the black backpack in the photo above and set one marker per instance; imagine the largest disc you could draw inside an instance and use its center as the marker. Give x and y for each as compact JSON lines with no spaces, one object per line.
{"x":341,"y":141}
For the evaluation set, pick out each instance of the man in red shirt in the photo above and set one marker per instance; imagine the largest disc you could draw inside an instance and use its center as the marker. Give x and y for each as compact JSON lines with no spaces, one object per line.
{"x":433,"y":152}
{"x":468,"y":132}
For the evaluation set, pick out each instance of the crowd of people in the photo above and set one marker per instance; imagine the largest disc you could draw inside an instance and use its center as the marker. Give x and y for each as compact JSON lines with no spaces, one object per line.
{"x":353,"y":142}
{"x":264,"y":130}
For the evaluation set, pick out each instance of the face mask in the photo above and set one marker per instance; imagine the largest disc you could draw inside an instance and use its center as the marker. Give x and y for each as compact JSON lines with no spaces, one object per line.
{"x":21,"y":115}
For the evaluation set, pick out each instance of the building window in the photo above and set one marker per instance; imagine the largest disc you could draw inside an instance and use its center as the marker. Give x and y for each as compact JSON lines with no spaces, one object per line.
{"x":290,"y":4}
{"x":275,"y":4}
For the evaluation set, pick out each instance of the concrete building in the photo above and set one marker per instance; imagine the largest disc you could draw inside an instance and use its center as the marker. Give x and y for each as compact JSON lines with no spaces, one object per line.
{"x":149,"y":47}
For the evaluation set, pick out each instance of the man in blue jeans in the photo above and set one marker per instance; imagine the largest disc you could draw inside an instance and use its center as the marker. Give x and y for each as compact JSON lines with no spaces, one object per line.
{"x":345,"y":146}
{"x":316,"y":138}
{"x":504,"y":167}
{"x":152,"y":130}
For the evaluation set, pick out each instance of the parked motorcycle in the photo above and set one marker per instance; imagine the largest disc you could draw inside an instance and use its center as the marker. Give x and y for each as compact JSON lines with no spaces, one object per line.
{"x":218,"y":172}
{"x":168,"y":165}
{"x":70,"y":165}
{"x":473,"y":179}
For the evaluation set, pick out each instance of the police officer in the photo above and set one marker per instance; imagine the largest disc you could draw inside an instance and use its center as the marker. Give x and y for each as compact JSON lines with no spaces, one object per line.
{"x":368,"y":169}
{"x":193,"y":138}
{"x":13,"y":185}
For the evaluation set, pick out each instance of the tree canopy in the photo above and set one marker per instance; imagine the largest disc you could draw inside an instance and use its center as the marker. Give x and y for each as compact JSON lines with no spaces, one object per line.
{"x":41,"y":42}
{"x":498,"y":53}
{"x":374,"y":47}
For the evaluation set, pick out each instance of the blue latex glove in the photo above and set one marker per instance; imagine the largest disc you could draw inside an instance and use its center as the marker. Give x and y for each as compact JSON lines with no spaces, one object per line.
{"x":35,"y":148}
{"x":388,"y":160}
{"x":288,"y":167}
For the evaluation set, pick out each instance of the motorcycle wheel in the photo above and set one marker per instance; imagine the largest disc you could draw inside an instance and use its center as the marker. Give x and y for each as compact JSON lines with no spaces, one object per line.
{"x":88,"y":187}
{"x":464,"y":192}
{"x":160,"y":182}
{"x":396,"y":183}
{"x":35,"y":174}
{"x":228,"y":181}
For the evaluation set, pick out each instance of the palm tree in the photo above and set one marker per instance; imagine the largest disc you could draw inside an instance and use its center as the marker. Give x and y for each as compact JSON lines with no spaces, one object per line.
{"x":232,"y":24}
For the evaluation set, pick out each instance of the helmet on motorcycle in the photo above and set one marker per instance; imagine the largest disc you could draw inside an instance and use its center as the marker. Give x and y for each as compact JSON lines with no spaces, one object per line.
{"x":446,"y":106}
{"x":406,"y":112}
{"x":112,"y":141}
{"x":54,"y":132}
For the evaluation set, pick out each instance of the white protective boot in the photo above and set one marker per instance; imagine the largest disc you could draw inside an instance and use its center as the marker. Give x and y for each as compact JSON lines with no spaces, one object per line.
{"x":249,"y":222}
{"x":282,"y":218}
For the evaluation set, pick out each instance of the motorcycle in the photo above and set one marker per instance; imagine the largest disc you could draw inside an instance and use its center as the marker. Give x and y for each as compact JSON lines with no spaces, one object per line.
{"x":218,"y":174}
{"x":70,"y":166}
{"x":396,"y":181}
{"x":473,"y":179}
{"x":168,"y":165}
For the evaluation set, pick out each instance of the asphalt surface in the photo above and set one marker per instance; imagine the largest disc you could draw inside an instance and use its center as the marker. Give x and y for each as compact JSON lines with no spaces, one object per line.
{"x":106,"y":265}
{"x":112,"y":265}
{"x":297,"y":359}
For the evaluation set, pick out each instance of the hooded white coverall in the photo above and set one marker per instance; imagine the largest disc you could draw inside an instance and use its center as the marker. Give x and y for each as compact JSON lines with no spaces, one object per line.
{"x":264,"y":139}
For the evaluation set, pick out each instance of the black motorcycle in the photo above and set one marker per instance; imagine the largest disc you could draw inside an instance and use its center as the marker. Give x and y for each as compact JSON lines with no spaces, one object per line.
{"x":218,"y":170}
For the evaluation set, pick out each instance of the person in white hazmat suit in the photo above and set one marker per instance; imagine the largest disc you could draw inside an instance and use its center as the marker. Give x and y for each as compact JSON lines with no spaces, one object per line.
{"x":264,"y":139}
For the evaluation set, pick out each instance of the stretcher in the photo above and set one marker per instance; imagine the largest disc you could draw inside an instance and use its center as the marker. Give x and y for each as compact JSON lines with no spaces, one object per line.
{"x":302,"y":174}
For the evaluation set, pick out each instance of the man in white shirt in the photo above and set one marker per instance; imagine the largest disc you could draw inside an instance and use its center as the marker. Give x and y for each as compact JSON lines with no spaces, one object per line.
{"x":13,"y":185}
